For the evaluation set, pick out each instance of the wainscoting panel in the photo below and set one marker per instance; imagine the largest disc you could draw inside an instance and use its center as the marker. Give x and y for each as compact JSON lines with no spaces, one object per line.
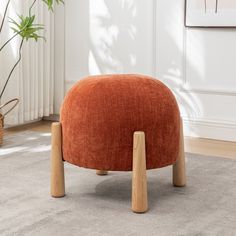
{"x":199,"y":66}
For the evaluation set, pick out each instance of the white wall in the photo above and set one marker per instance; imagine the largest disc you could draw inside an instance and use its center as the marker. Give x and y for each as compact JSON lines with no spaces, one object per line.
{"x":149,"y":37}
{"x":108,"y":36}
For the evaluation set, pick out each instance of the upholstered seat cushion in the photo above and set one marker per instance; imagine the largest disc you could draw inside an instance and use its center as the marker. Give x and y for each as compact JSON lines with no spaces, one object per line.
{"x":100,"y":114}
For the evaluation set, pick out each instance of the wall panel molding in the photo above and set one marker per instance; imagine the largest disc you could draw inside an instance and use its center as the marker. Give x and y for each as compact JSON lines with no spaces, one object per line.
{"x":185,"y":82}
{"x":209,"y":92}
{"x":211,"y":129}
{"x":208,"y":110}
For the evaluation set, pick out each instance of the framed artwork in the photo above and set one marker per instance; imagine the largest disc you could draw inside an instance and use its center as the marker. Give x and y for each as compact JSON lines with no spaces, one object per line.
{"x":210,"y":13}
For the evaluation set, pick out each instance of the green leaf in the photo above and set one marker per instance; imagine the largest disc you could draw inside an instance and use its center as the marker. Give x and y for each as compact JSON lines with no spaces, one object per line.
{"x":26,"y":27}
{"x":50,"y":3}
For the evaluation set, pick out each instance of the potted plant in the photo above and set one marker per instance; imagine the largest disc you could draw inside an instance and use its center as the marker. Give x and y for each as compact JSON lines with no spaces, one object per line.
{"x":25,"y":28}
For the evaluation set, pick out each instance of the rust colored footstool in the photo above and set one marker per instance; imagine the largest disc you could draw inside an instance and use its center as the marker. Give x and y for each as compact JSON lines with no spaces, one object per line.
{"x":119,"y":123}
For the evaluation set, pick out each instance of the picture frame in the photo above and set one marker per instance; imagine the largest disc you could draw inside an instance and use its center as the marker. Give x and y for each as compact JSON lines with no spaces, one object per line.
{"x":210,"y":13}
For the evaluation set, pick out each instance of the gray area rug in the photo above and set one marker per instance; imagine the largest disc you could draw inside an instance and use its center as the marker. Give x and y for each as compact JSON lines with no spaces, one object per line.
{"x":100,"y":205}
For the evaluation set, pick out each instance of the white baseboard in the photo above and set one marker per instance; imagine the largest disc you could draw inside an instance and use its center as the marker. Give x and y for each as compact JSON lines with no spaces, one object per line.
{"x":210,"y":129}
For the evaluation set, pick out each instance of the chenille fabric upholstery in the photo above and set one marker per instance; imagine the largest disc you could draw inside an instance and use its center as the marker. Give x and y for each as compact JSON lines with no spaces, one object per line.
{"x":100,"y":114}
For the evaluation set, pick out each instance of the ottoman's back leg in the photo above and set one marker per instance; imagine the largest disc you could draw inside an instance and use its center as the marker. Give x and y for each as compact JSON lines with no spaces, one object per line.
{"x":139,"y":179}
{"x":101,"y":172}
{"x":179,"y":176}
{"x":57,"y":165}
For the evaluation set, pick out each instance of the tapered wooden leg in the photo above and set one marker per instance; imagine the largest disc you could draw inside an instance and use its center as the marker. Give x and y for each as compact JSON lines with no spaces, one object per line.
{"x":139,"y":179}
{"x":101,"y":172}
{"x":179,"y":176}
{"x":57,"y":165}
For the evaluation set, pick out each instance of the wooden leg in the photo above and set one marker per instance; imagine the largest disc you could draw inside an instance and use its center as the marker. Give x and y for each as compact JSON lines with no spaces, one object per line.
{"x":101,"y":172}
{"x":139,"y":179}
{"x":57,"y":165}
{"x":179,"y":178}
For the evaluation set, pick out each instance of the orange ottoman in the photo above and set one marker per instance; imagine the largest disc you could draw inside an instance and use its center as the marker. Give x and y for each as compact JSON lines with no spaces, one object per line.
{"x":119,"y":123}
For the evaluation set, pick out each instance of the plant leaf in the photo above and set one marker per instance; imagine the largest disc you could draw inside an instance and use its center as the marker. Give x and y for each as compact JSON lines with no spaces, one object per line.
{"x":26,"y":27}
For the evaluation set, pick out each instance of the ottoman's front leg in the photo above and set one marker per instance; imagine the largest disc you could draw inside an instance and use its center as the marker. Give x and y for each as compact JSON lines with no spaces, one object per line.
{"x":57,"y":165}
{"x":139,"y":178}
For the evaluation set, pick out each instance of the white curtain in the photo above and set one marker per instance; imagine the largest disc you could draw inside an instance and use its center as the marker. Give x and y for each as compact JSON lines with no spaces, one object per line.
{"x":33,"y":80}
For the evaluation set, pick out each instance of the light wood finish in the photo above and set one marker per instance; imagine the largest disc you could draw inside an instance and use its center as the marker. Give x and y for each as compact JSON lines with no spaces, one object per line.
{"x":38,"y":126}
{"x":101,"y":172}
{"x":209,"y":147}
{"x":57,"y":165}
{"x":139,"y":178}
{"x":179,"y":176}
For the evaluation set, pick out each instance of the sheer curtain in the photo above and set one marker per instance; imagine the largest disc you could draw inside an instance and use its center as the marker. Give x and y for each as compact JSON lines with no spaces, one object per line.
{"x":33,"y":80}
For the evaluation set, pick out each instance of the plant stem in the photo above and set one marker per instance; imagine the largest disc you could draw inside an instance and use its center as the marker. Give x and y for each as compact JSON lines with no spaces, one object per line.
{"x":13,"y":68}
{"x":30,"y":9}
{"x":205,"y":2}
{"x":216,"y":10}
{"x":20,"y":48}
{"x":8,"y":41}
{"x":4,"y":16}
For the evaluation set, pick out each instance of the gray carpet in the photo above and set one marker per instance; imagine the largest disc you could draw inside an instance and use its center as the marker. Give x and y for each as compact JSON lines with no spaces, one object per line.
{"x":100,"y":205}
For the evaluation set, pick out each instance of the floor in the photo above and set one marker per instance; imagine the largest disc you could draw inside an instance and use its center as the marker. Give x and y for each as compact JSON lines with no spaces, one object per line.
{"x":100,"y":205}
{"x":192,"y":145}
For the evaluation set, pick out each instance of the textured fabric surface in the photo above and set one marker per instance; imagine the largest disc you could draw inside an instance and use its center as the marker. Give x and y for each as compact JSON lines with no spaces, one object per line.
{"x":101,"y":205}
{"x":100,"y":114}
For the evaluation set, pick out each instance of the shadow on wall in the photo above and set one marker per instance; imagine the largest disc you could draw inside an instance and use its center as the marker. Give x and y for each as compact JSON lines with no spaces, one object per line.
{"x":189,"y":104}
{"x":172,"y":58}
{"x":113,"y":32}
